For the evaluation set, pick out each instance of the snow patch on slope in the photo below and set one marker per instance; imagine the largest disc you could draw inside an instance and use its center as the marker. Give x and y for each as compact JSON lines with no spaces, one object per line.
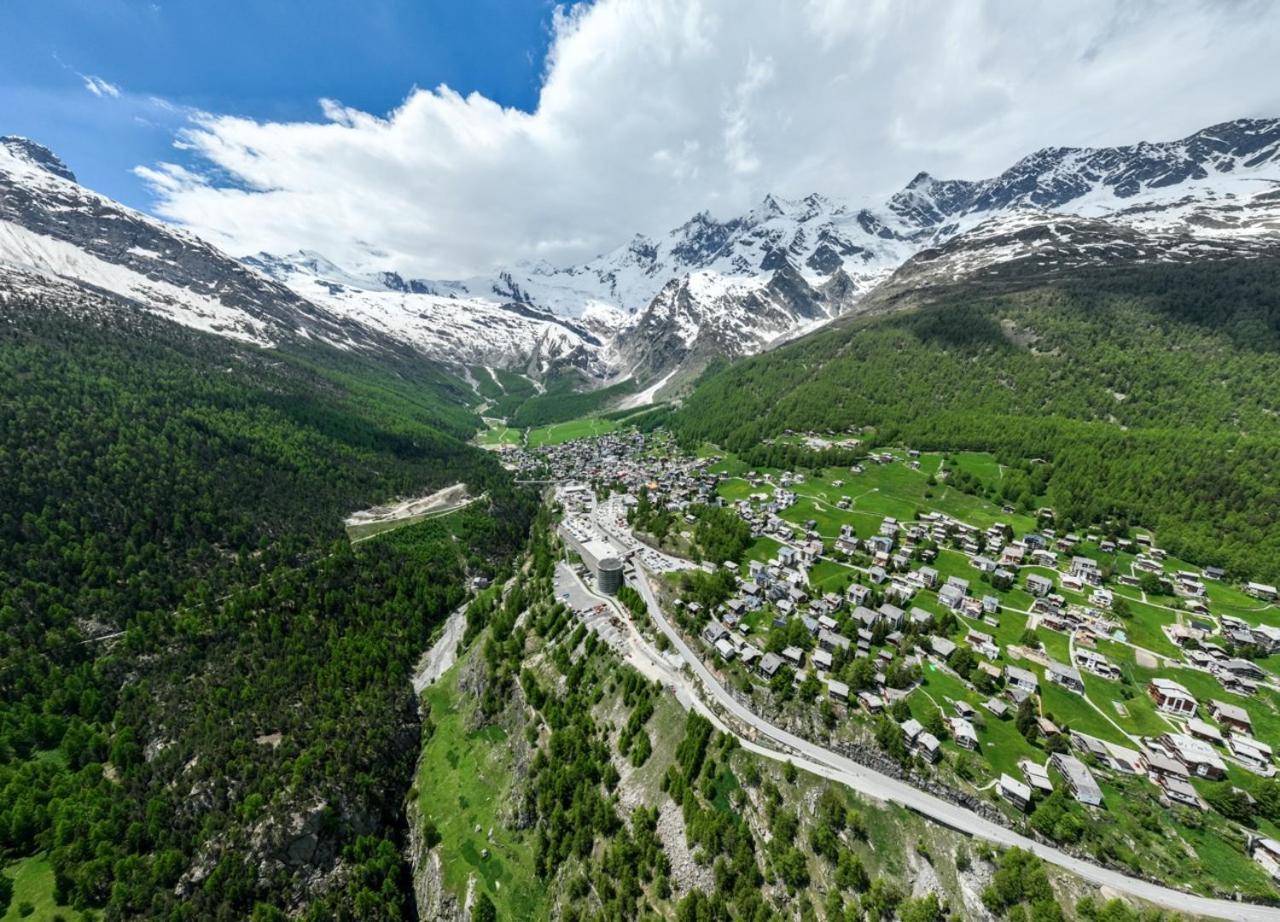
{"x":48,"y":256}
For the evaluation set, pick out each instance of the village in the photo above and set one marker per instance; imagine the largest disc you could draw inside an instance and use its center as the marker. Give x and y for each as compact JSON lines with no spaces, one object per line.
{"x":1029,"y":659}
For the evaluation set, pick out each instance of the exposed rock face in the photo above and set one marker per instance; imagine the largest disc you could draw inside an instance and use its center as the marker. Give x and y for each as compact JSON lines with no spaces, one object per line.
{"x":432,"y":899}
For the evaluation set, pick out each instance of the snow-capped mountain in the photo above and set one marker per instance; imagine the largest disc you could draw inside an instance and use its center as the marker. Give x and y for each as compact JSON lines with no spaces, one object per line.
{"x":731,"y":287}
{"x":54,"y":229}
{"x":657,"y":309}
{"x":503,"y":329}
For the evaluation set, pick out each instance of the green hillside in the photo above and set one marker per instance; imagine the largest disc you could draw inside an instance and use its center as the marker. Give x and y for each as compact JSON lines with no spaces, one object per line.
{"x":1151,"y":393}
{"x":184,"y":495}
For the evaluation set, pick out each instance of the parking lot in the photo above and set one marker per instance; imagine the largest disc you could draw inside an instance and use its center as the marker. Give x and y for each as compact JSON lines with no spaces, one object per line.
{"x":595,"y":614}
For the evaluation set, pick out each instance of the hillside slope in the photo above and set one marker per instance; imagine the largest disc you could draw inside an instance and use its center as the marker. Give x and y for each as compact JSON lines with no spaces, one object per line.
{"x":558,"y":782}
{"x":1151,"y":390}
{"x":204,"y":697}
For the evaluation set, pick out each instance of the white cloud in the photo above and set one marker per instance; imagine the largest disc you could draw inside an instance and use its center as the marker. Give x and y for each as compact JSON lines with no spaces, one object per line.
{"x":99,"y":87}
{"x":651,"y":110}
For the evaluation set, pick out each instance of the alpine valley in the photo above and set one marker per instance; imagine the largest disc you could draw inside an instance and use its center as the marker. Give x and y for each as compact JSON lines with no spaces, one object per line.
{"x":910,"y":559}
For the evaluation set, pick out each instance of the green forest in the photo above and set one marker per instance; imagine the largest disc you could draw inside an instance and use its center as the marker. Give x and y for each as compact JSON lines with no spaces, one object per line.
{"x":249,"y":720}
{"x":1152,"y":393}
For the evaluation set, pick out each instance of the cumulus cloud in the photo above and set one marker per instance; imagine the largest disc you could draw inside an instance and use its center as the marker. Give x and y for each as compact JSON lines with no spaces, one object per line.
{"x":99,"y":87}
{"x":651,"y":110}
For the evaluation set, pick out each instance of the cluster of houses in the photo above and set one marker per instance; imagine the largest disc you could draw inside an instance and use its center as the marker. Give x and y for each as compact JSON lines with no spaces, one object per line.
{"x":874,"y":618}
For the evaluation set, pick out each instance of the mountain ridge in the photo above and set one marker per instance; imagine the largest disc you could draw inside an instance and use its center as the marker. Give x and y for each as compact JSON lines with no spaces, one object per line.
{"x":661,"y":308}
{"x":1153,"y":194}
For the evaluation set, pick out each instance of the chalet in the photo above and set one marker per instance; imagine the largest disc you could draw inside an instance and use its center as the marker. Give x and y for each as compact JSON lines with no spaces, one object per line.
{"x":1172,"y":697}
{"x":1253,"y":754}
{"x":928,"y":577}
{"x":858,"y":593}
{"x":846,"y":546}
{"x":865,"y":616}
{"x":951,"y":596}
{"x":872,"y":702}
{"x":714,"y":631}
{"x":899,"y":591}
{"x":983,"y":643}
{"x":1123,"y":759}
{"x":983,"y":564}
{"x":892,"y":615}
{"x":794,"y":656}
{"x":1099,"y":665}
{"x":1002,"y":578}
{"x":927,"y":747}
{"x":770,"y":663}
{"x":990,"y":604}
{"x":1198,"y":756}
{"x":1039,"y":585}
{"x":1267,"y":636}
{"x":1066,"y":676}
{"x":749,"y":655}
{"x":1078,"y":777}
{"x":963,"y":733}
{"x":725,"y":650}
{"x":1231,"y":716}
{"x":996,"y":707}
{"x":990,"y":669}
{"x":1180,"y":791}
{"x":1160,"y":766}
{"x":1262,"y":591}
{"x":1266,"y":852}
{"x":1243,"y":669}
{"x":1203,"y":731}
{"x":1037,"y":775}
{"x":1013,"y":555}
{"x":1014,"y":791}
{"x":1235,"y":684}
{"x":921,"y":618}
{"x":1089,"y":745}
{"x":1086,"y":570}
{"x":822,"y":660}
{"x":942,"y":647}
{"x":831,"y":642}
{"x":838,"y":691}
{"x":1023,"y":679}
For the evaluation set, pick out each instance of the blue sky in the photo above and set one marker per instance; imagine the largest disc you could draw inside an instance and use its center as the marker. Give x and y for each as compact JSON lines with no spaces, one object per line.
{"x":266,"y":59}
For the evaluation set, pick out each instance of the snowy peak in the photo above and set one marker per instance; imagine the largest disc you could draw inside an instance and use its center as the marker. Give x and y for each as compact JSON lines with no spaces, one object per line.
{"x":654,"y":305}
{"x":37,"y":155}
{"x":733,"y":284}
{"x":55,"y":229}
{"x":1058,"y":178}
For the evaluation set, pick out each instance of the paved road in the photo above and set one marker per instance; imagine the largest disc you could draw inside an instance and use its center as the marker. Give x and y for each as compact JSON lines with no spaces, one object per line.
{"x":823,"y":762}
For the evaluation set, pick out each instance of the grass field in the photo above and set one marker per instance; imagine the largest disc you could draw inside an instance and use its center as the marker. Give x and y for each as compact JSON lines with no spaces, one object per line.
{"x":499,"y":434}
{"x":33,"y":884}
{"x":463,"y":778}
{"x":574,"y":429}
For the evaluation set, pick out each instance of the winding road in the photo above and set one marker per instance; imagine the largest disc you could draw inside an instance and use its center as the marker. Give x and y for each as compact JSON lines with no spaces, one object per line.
{"x":825,"y":763}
